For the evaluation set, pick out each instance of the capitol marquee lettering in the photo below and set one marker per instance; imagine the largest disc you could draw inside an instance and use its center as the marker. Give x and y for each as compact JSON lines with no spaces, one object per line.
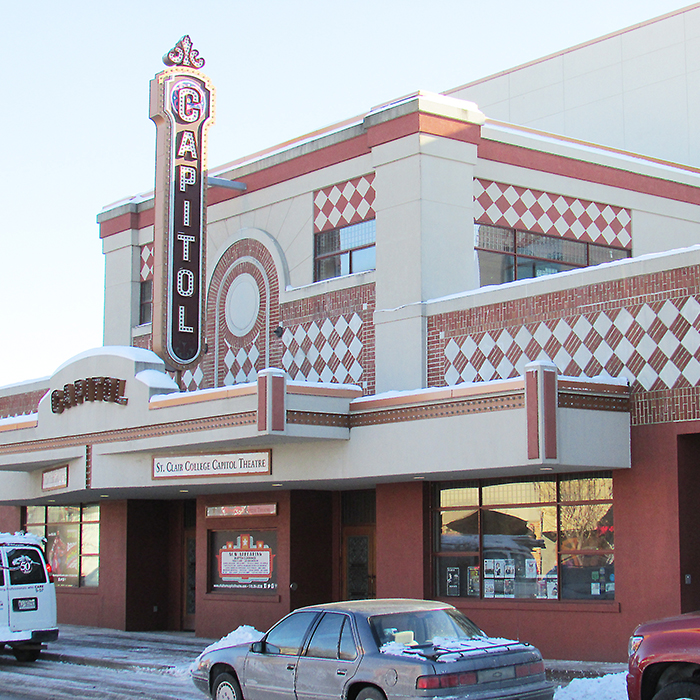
{"x":108,"y":389}
{"x":182,"y":108}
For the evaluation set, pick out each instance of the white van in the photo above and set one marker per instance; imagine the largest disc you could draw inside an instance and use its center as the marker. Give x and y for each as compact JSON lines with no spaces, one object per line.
{"x":27,"y":596}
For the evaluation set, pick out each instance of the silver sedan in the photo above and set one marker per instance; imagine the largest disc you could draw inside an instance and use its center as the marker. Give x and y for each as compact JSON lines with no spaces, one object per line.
{"x":374,"y":650}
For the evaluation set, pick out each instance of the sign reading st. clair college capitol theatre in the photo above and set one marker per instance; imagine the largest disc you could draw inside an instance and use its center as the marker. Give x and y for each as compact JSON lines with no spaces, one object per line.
{"x":237,"y":464}
{"x":182,"y":107}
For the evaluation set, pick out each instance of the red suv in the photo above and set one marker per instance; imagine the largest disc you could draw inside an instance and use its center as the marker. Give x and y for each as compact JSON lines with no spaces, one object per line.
{"x":664,"y":659}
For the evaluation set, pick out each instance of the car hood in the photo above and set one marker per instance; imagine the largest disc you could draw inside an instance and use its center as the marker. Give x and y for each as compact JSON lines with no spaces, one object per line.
{"x":669,"y":624}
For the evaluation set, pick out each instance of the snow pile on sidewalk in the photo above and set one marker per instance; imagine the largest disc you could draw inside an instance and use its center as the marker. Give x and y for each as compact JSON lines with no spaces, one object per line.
{"x":610,"y":687}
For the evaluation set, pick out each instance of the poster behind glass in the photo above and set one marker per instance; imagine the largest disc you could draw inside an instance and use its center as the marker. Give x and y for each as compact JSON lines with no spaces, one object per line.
{"x":63,"y":552}
{"x":243,"y":561}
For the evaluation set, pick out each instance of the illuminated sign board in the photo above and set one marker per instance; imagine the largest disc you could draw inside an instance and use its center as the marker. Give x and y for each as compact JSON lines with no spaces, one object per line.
{"x":182,"y":107}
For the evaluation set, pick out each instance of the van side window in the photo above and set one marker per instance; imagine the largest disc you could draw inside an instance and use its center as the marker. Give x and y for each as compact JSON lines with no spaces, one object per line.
{"x":26,"y":566}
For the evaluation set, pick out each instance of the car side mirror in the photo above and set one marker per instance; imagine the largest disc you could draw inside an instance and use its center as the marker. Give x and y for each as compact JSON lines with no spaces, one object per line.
{"x":258,"y":647}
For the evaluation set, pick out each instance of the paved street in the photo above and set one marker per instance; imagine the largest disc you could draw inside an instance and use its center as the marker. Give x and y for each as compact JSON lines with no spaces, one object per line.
{"x":50,"y":680}
{"x":89,"y":663}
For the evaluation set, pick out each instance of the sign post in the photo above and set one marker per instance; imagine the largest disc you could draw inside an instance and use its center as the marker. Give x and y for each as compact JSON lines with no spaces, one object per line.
{"x":182,"y":107}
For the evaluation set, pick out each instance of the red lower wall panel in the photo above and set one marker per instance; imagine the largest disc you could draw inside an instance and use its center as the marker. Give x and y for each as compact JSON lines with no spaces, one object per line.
{"x":104,"y":606}
{"x":220,"y":613}
{"x":401,"y":540}
{"x":10,"y":518}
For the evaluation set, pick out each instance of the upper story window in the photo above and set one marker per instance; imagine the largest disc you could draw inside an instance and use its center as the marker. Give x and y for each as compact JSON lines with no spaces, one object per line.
{"x":343,"y":251}
{"x":506,"y":254}
{"x":146,"y":302}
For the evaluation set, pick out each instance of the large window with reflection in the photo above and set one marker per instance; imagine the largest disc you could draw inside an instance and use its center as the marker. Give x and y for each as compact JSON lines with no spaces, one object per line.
{"x":72,"y":535}
{"x":505,"y":254}
{"x":549,"y":538}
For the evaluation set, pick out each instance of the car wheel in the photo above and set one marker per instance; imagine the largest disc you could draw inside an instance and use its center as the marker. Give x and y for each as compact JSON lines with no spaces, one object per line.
{"x":679,"y":691}
{"x":25,"y":654}
{"x":370,"y":694}
{"x":226,"y":688}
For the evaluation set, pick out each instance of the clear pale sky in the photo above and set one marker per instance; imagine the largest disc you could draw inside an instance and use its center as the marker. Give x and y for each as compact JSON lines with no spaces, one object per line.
{"x":77,"y":137}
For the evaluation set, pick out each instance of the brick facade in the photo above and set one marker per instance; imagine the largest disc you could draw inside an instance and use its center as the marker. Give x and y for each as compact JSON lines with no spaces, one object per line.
{"x":645,"y":328}
{"x":232,"y":359}
{"x":330,"y":338}
{"x":20,"y":404}
{"x":323,"y":338}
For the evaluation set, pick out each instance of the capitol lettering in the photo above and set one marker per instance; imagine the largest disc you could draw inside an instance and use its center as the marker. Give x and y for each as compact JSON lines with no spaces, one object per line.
{"x":108,"y":389}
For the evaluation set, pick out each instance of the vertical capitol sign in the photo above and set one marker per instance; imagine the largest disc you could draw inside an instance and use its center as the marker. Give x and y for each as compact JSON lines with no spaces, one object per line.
{"x":182,"y":107}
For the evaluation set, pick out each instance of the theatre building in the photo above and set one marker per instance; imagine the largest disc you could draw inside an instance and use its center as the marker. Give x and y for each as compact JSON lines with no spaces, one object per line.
{"x":436,"y":356}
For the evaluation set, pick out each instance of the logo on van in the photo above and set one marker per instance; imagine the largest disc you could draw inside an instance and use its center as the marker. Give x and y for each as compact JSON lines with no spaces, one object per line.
{"x":24,"y":563}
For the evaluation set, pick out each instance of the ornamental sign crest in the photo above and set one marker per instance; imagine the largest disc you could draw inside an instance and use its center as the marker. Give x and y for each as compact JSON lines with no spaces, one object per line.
{"x":182,"y":107}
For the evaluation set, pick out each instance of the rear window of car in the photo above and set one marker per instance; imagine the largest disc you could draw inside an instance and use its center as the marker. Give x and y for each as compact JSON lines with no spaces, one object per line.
{"x":422,"y":627}
{"x":25,"y":566}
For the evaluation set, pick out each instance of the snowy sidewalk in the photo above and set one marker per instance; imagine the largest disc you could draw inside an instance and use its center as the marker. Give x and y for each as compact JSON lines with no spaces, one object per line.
{"x":95,"y":646}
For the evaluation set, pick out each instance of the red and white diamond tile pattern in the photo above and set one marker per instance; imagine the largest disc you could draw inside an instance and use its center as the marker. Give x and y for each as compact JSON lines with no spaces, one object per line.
{"x":325,"y":351}
{"x":240,"y":363}
{"x":344,"y":204}
{"x":654,"y":344}
{"x":192,"y":379}
{"x":553,"y":214}
{"x":147,"y":262}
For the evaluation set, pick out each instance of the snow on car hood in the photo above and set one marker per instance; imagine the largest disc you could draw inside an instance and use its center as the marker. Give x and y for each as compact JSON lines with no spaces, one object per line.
{"x":245,"y":634}
{"x":445,"y":649}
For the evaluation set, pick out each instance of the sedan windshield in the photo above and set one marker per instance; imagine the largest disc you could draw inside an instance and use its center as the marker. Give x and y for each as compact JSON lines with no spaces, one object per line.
{"x":422,"y":627}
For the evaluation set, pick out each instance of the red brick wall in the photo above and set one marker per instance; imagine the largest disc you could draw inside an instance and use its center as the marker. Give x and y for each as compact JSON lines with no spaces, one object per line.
{"x":219,"y":612}
{"x":21,"y":404}
{"x":10,"y":518}
{"x":402,"y":540}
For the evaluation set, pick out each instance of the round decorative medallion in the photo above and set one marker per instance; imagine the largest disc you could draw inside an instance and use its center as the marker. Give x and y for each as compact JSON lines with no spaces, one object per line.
{"x":242,"y":305}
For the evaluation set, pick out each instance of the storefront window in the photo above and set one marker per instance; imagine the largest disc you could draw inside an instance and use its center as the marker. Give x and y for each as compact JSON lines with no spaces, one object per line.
{"x":72,"y":536}
{"x":550,"y":538}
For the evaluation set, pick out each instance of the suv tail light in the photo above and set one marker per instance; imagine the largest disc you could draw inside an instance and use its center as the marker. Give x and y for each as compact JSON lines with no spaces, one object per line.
{"x":49,"y":570}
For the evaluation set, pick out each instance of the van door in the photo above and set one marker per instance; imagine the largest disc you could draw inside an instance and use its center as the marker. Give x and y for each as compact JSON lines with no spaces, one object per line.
{"x":4,"y":606}
{"x":32,"y":605}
